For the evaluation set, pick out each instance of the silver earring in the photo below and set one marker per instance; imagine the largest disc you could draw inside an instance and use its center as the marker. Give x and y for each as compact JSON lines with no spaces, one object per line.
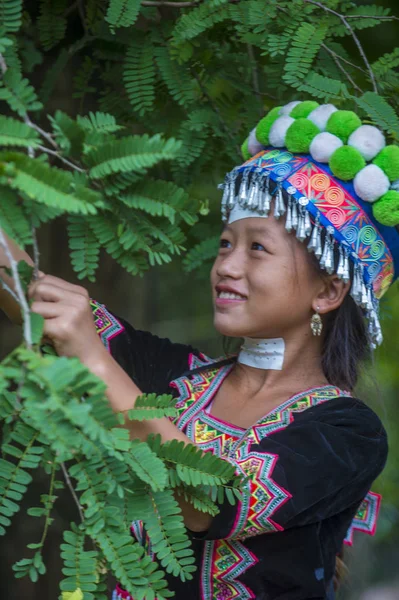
{"x":316,"y":323}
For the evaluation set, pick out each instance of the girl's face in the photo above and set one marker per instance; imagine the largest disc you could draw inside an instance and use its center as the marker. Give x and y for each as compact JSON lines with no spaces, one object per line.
{"x":262,"y":282}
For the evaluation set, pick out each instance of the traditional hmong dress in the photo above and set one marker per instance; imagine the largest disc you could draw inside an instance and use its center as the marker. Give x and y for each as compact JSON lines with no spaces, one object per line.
{"x":311,"y":463}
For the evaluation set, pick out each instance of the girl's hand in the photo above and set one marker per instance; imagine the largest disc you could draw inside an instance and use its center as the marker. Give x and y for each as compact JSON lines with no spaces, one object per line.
{"x":68,"y":319}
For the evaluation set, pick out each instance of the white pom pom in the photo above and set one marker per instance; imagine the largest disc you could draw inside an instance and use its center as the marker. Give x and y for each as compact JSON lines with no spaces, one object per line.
{"x":323,"y":146}
{"x":253,"y":145}
{"x":368,"y":140}
{"x":371,"y":183}
{"x":278,"y":131}
{"x":320,"y":115}
{"x":285,"y":110}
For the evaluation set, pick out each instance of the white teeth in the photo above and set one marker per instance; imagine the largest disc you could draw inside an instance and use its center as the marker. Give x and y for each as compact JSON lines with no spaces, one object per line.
{"x":230,"y":296}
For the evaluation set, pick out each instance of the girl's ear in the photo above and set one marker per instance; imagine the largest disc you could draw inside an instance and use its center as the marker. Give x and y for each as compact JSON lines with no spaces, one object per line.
{"x":331,"y":294}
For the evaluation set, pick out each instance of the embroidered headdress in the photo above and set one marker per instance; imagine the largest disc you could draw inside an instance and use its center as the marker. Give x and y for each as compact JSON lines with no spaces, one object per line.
{"x":341,"y":183}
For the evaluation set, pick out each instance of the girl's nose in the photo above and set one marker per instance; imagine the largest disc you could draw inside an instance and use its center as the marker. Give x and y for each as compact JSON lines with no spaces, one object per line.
{"x":231,"y":265}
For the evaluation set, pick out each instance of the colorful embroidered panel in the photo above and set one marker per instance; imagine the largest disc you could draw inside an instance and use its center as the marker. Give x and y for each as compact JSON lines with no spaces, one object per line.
{"x":223,"y":562}
{"x":107,"y":326}
{"x":337,"y":208}
{"x":366,"y":517}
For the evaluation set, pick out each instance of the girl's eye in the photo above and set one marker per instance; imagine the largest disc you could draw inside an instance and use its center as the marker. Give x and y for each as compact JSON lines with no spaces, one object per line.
{"x":256,"y":246}
{"x":224,"y":243}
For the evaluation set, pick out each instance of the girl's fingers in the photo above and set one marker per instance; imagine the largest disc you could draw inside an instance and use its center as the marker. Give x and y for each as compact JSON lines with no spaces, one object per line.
{"x":48,"y":310}
{"x":57,"y":282}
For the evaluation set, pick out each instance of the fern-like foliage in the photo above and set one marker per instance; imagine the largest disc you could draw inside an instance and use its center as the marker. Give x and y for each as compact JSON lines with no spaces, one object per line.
{"x":52,"y":22}
{"x":13,"y":218}
{"x":139,"y":75}
{"x":303,"y":50}
{"x":122,"y":13}
{"x":137,"y":153}
{"x":16,"y":133}
{"x":84,"y":248}
{"x":381,"y":112}
{"x":10,"y":15}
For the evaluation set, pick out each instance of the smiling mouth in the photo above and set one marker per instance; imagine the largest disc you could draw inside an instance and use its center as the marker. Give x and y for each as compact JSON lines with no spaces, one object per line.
{"x":230,"y":296}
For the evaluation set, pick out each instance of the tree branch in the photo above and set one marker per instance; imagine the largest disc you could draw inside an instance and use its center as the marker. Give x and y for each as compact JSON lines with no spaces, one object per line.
{"x":341,"y":68}
{"x":21,"y":299}
{"x":354,"y":36}
{"x":71,"y":489}
{"x":64,"y":160}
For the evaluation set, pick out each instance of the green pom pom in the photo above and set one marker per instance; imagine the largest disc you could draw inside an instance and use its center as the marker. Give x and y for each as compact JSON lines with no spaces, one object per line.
{"x":342,"y":123}
{"x":244,"y":150}
{"x":386,"y":209}
{"x":300,"y":135}
{"x":303,"y":110}
{"x":346,"y":162}
{"x":388,"y":161}
{"x":265,"y":124}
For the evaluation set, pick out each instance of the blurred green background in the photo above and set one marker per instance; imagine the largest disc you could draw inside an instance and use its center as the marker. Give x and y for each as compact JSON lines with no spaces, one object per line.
{"x":171,"y":303}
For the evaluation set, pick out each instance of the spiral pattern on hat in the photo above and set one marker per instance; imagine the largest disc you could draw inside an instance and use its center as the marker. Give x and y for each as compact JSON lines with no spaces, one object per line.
{"x":282,"y":169}
{"x":336,"y":216}
{"x":285,"y":157}
{"x":299,"y":180}
{"x":367,"y":235}
{"x":320,"y":182}
{"x":373,"y":269}
{"x":377,"y":249}
{"x":335,"y":195}
{"x":350,"y":233}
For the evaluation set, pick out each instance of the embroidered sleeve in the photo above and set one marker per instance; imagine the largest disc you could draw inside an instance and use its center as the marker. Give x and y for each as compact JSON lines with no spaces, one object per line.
{"x":151,"y":362}
{"x":320,"y":465}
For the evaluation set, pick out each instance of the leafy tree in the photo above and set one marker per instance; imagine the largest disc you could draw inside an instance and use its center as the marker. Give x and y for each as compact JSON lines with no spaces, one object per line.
{"x":164,"y":93}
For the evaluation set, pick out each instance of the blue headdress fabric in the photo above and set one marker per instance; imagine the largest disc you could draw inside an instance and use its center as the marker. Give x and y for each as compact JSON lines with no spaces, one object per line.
{"x":315,"y":199}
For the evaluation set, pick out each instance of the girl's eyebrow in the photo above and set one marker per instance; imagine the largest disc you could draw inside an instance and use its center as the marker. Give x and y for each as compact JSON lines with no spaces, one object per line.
{"x":254,"y":230}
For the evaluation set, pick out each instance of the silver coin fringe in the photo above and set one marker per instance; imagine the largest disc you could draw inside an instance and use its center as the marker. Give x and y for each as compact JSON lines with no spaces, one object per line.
{"x":254,"y":194}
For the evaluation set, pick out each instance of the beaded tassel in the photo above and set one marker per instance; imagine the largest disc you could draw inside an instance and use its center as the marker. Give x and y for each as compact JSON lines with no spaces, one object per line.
{"x":346,"y":273}
{"x":232,"y":193}
{"x":308,"y":224}
{"x":341,"y":262}
{"x":288,"y":219}
{"x":294,"y":215}
{"x":279,"y":206}
{"x":300,"y":232}
{"x":312,"y":245}
{"x":253,"y":192}
{"x":243,"y":191}
{"x":266,"y":200}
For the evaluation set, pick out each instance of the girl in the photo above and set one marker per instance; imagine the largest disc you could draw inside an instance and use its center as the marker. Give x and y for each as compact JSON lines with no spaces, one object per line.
{"x":282,"y":410}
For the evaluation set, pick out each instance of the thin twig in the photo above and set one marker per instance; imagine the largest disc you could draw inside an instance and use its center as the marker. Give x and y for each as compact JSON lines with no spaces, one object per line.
{"x":354,"y":36}
{"x":18,"y":290}
{"x":216,"y":110}
{"x":382,"y":18}
{"x":43,"y":133}
{"x":341,"y":68}
{"x":343,"y":59}
{"x":64,"y":160}
{"x":71,"y":489}
{"x":8,"y":289}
